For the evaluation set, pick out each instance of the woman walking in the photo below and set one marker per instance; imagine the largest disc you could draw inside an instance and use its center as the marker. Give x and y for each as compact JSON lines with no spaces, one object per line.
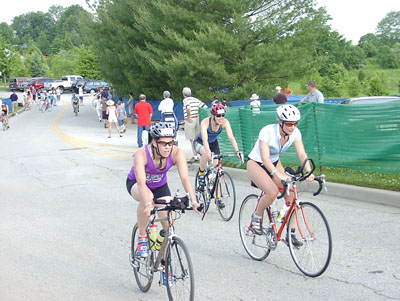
{"x":112,"y":117}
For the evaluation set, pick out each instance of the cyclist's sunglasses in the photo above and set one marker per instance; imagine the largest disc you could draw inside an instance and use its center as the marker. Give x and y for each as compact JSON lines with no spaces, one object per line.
{"x":290,"y":124}
{"x":220,"y":115}
{"x":164,"y":143}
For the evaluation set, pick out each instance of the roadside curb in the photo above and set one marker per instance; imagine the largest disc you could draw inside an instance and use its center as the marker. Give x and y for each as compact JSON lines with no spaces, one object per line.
{"x":357,"y":193}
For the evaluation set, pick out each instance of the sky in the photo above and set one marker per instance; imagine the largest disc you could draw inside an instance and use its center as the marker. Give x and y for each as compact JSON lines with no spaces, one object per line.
{"x":351,"y":18}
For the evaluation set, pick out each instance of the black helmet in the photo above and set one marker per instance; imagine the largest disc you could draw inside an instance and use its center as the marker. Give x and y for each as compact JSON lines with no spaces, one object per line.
{"x":162,"y":129}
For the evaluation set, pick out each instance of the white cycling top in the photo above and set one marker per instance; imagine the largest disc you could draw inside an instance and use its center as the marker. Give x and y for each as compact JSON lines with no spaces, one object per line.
{"x":270,"y":134}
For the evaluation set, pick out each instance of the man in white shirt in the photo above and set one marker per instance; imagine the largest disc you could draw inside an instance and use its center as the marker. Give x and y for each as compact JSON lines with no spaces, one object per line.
{"x":191,"y":107}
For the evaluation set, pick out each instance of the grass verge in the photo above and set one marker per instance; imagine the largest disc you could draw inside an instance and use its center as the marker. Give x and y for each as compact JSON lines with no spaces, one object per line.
{"x":387,"y":181}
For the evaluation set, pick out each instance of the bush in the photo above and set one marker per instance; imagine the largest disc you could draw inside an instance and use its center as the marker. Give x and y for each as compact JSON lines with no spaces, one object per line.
{"x":376,"y":86}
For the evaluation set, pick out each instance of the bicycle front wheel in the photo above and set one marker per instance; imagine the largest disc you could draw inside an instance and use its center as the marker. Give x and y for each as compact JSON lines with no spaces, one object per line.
{"x":312,"y":230}
{"x":225,"y":196}
{"x":255,"y":245}
{"x":142,"y":267}
{"x":179,"y":272}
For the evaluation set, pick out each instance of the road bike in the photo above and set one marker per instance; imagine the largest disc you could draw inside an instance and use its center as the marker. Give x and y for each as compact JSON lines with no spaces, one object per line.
{"x":46,"y":106}
{"x":76,"y":108}
{"x":4,"y":122}
{"x":312,"y":255}
{"x":178,"y":265}
{"x":219,"y":188}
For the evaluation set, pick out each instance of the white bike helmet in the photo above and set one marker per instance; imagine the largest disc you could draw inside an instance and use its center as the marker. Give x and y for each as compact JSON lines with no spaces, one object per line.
{"x":288,"y":113}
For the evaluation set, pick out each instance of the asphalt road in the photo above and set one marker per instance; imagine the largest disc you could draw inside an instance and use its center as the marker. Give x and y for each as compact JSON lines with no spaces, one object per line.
{"x":66,"y":220}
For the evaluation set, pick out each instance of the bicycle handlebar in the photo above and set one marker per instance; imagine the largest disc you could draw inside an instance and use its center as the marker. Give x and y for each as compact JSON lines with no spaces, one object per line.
{"x":177,"y":203}
{"x":298,"y":176}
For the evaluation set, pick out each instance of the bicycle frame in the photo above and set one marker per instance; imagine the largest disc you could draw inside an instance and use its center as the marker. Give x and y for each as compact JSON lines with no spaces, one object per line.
{"x":294,"y":206}
{"x":166,"y":241}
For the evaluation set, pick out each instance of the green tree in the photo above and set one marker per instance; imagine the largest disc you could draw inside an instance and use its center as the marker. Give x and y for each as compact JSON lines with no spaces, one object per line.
{"x":354,"y":87}
{"x":369,"y":43}
{"x":377,"y":86}
{"x":31,"y":26}
{"x":86,"y":62}
{"x":386,"y":58}
{"x":7,"y":33}
{"x":361,"y":76}
{"x":388,"y":29}
{"x":158,"y":44}
{"x":5,"y":57}
{"x":62,"y":63}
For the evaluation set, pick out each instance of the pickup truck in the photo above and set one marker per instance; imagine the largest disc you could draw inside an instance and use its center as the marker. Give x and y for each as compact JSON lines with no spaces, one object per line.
{"x":64,"y":84}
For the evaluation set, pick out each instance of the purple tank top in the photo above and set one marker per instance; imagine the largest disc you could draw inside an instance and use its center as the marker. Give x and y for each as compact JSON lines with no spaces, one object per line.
{"x":154,"y":177}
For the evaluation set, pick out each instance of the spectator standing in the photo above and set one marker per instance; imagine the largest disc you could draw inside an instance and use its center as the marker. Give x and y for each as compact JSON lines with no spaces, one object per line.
{"x":14,"y":102}
{"x":314,"y":94}
{"x":80,"y":94}
{"x":130,"y":106}
{"x":143,"y":112}
{"x":255,"y":103}
{"x":280,"y":98}
{"x":121,"y":114}
{"x":112,"y":117}
{"x":33,"y":92}
{"x":104,"y":111}
{"x":98,"y":107}
{"x":58,"y":96}
{"x":26,"y":99}
{"x":225,"y":103}
{"x":191,"y":107}
{"x":166,"y":107}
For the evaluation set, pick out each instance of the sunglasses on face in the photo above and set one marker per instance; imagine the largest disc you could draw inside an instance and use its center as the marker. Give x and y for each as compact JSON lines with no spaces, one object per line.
{"x":220,"y":115}
{"x":290,"y":124}
{"x":164,"y":143}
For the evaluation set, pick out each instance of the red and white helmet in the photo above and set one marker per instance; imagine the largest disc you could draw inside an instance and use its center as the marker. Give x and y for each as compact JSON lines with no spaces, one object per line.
{"x":217,"y":108}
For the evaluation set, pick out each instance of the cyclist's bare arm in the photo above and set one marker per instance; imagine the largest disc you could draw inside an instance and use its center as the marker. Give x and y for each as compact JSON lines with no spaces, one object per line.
{"x":203,"y":129}
{"x":146,"y":198}
{"x":227,"y":126}
{"x":179,"y":158}
{"x":301,"y":153}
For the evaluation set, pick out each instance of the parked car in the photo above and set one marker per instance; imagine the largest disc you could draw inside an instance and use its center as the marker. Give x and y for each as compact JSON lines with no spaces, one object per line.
{"x":94,"y":85}
{"x":369,"y":100}
{"x":15,"y":83}
{"x":38,"y":82}
{"x":64,"y":84}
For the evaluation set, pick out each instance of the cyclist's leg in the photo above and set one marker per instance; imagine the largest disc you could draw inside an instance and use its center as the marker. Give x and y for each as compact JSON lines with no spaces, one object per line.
{"x":264,"y":182}
{"x":142,"y":218}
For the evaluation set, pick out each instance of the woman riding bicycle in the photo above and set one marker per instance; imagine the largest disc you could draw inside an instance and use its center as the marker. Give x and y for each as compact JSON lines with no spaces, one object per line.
{"x":206,"y":142}
{"x":264,"y":167}
{"x":147,"y":179}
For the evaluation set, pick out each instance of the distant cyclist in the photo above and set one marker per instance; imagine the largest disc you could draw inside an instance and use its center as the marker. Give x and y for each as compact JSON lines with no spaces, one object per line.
{"x":206,"y":142}
{"x":264,"y":166}
{"x":75,"y":102}
{"x":147,"y":179}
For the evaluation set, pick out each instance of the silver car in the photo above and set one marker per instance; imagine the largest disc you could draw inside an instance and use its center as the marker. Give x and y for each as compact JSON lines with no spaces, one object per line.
{"x":370,"y":100}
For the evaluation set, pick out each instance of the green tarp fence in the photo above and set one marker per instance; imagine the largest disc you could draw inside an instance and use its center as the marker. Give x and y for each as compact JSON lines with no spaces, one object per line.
{"x":361,"y":137}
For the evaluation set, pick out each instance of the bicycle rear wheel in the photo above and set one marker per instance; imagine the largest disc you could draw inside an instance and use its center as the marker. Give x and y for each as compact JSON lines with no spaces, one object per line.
{"x":225,"y":193}
{"x":179,"y":269}
{"x":255,"y":245}
{"x":312,"y":229}
{"x":142,"y":267}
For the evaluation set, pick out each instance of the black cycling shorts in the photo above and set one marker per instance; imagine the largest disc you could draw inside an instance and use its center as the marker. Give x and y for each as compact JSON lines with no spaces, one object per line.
{"x":214,"y":146}
{"x":157,"y":192}
{"x":266,"y":170}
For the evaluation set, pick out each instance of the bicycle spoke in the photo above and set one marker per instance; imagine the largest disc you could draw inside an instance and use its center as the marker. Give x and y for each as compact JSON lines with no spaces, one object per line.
{"x":142,"y":267}
{"x":179,"y":272}
{"x":226,"y":196}
{"x":255,"y":245}
{"x":312,"y":230}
